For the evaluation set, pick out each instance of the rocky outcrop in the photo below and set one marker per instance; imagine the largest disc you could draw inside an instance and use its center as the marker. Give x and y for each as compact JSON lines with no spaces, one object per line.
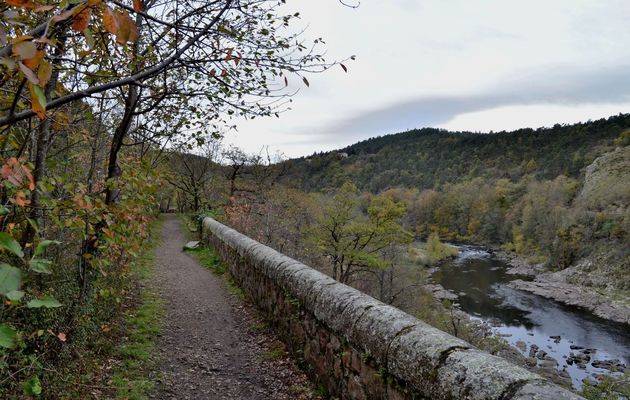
{"x":359,"y":348}
{"x":573,"y":295}
{"x":606,"y":180}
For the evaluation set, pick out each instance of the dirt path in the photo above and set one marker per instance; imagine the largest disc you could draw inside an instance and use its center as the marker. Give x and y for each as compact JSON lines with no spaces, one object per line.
{"x":209,"y":348}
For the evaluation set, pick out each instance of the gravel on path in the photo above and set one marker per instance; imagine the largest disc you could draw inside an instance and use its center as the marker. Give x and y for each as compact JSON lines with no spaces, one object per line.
{"x":210,"y":347}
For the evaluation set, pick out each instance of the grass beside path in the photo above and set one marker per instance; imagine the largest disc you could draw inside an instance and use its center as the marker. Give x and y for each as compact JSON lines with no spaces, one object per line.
{"x":118,"y":363}
{"x":141,"y":325}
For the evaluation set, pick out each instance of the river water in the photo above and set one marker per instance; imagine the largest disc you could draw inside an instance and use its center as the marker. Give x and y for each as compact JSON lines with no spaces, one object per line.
{"x":480,"y":281}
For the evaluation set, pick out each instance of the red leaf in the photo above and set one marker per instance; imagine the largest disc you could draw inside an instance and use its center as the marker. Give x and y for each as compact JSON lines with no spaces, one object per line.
{"x":61,"y":336}
{"x":18,"y":173}
{"x":110,"y":22}
{"x":21,"y":3}
{"x":137,"y":5}
{"x":81,"y":19}
{"x":20,"y":199}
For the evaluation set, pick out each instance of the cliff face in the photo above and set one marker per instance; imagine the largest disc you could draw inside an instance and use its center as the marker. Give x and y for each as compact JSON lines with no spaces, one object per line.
{"x":605,"y":201}
{"x":607,"y":182}
{"x":600,"y":281}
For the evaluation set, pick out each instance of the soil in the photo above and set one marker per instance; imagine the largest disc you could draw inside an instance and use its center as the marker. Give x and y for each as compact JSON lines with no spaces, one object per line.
{"x":212,"y":346}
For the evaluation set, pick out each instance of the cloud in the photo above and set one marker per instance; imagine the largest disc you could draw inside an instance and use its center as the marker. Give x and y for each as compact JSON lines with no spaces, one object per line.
{"x":556,"y":85}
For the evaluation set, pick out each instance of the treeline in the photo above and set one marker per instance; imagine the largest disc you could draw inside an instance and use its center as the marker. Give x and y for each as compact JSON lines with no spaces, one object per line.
{"x":429,"y":158}
{"x":564,"y":204}
{"x":556,"y":196}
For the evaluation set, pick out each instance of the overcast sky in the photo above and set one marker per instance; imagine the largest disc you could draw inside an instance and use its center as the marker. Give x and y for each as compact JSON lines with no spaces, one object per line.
{"x":476,"y":65}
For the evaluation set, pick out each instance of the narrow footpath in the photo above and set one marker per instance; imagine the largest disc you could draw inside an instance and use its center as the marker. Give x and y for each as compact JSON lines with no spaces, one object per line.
{"x":210,"y":348}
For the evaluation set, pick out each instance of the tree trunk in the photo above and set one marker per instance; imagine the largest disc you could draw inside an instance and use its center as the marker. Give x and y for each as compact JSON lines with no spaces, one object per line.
{"x":41,"y":149}
{"x":113,"y":169}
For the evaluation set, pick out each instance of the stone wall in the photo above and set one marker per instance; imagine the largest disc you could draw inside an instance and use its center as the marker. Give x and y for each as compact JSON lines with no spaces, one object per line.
{"x":359,"y":348}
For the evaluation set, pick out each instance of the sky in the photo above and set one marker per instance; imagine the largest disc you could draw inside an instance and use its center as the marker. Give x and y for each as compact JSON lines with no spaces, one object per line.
{"x":475,"y":65}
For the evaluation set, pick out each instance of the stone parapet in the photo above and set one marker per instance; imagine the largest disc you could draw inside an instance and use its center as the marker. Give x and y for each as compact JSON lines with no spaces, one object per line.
{"x":357,"y":347}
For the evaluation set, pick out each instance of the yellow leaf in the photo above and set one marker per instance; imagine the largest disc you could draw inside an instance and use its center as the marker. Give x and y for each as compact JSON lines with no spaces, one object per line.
{"x":43,"y":8}
{"x":33,"y":62}
{"x":127,"y":29}
{"x":28,"y":73}
{"x":21,"y":38}
{"x":44,"y":72}
{"x":38,"y":100}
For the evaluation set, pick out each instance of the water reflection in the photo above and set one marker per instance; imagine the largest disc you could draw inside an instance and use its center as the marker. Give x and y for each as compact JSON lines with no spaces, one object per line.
{"x":479,"y":279}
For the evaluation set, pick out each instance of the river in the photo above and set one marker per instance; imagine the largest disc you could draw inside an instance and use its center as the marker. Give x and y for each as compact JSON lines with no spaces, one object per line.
{"x":524,"y":319}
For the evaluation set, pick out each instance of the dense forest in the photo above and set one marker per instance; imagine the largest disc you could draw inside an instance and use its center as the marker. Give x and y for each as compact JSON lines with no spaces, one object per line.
{"x":429,"y":158}
{"x":557,"y":196}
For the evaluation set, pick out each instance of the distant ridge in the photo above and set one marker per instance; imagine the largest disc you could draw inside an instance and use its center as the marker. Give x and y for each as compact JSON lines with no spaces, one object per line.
{"x":429,"y":157}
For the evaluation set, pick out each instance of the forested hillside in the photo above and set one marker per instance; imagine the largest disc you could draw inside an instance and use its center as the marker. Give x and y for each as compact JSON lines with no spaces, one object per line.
{"x":428,"y":158}
{"x":557,"y":196}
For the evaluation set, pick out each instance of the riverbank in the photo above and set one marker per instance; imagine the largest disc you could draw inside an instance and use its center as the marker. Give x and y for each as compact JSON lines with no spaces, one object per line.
{"x":566,"y":344}
{"x":498,"y":343}
{"x":551,"y":286}
{"x":556,"y":286}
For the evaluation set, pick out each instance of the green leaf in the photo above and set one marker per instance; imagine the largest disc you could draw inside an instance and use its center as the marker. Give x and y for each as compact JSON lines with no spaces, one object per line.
{"x":43,"y":245}
{"x":32,"y":387}
{"x":46,"y":301}
{"x":15,"y":295}
{"x":41,"y":266}
{"x":7,"y":242}
{"x":7,"y":336}
{"x":4,"y":210}
{"x":41,"y":96}
{"x":89,"y":39}
{"x":10,"y":278}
